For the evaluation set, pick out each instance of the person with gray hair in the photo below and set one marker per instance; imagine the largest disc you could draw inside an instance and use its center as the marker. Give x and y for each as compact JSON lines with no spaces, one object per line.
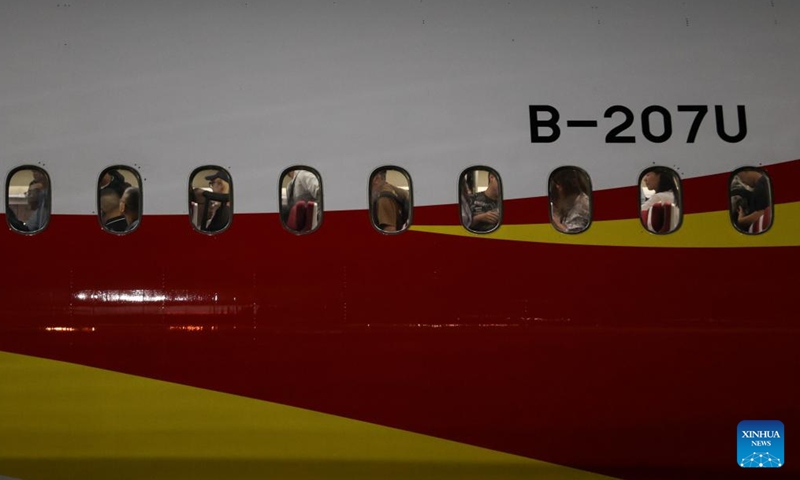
{"x":129,"y":206}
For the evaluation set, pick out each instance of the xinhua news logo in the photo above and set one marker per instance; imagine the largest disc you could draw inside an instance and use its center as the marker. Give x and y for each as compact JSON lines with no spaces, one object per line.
{"x":760,"y":444}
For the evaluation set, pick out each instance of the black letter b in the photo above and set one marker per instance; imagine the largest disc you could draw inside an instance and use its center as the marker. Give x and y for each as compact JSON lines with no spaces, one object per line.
{"x":552,"y":124}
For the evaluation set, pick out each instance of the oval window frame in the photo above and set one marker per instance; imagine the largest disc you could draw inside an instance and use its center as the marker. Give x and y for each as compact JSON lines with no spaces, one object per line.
{"x":764,"y":172}
{"x":589,"y":193}
{"x":10,"y":175}
{"x":410,"y":218}
{"x":192,"y":175}
{"x":679,"y":187}
{"x":141,"y":197}
{"x":319,"y":201}
{"x":501,"y":209}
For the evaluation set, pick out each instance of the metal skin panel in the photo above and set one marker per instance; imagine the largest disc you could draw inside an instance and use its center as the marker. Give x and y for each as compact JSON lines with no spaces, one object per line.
{"x":552,"y":351}
{"x":614,"y":351}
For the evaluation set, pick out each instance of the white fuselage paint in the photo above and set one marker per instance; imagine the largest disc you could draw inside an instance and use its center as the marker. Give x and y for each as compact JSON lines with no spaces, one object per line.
{"x":345,"y":87}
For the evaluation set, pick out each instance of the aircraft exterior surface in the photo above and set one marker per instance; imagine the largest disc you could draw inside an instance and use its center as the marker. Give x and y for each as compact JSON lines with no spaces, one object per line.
{"x":436,"y":352}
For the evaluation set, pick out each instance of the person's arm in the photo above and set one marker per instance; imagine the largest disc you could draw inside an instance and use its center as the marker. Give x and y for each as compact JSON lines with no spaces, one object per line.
{"x":492,"y":217}
{"x":745,"y":221}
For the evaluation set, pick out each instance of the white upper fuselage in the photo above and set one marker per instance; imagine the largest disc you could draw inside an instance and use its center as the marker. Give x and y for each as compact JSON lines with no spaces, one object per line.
{"x":345,"y":87}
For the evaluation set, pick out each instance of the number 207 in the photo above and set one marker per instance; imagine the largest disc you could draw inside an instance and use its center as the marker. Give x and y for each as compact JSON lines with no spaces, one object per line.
{"x":651,"y":116}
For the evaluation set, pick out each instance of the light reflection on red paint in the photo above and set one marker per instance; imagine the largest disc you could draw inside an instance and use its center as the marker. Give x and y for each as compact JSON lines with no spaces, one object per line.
{"x":154,"y":302}
{"x":193,"y":328}
{"x":126,"y":296}
{"x":69,"y":329}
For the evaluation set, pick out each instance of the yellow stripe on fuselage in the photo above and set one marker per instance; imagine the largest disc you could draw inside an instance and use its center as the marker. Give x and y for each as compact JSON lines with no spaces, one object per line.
{"x":60,"y":421}
{"x":699,"y":230}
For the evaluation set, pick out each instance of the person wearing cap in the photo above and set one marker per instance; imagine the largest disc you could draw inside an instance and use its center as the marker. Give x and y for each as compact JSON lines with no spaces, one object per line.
{"x":219,"y":208}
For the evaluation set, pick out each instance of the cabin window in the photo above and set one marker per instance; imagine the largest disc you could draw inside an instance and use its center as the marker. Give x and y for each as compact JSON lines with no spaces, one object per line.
{"x":751,"y":200}
{"x":660,"y":200}
{"x":119,"y":199}
{"x":570,"y":191}
{"x":390,"y":199}
{"x":301,"y":199}
{"x":481,"y":199}
{"x":28,"y":199}
{"x":210,"y":199}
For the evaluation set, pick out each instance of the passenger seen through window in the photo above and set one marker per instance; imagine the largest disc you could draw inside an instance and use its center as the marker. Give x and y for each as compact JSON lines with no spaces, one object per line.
{"x":119,"y":203}
{"x":570,"y":199}
{"x":390,"y":199}
{"x":301,"y":199}
{"x":28,"y":200}
{"x":660,"y":198}
{"x":211,"y":199}
{"x":751,"y":200}
{"x":481,"y":199}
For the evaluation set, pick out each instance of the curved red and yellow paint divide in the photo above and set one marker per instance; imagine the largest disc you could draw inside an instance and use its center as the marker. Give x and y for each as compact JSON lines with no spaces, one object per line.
{"x":65,"y":421}
{"x":699,"y":230}
{"x":706,"y":220}
{"x":346,"y":353}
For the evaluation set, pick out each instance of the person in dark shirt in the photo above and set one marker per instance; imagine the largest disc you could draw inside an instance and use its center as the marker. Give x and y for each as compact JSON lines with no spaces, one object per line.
{"x":485,"y":207}
{"x":219,"y":205}
{"x":113,"y":220}
{"x":115,"y":180}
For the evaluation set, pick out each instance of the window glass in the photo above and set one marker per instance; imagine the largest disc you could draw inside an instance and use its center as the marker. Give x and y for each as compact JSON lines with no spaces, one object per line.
{"x":751,"y":200}
{"x":211,"y":199}
{"x":481,"y":199}
{"x":119,"y":199}
{"x":28,"y":199}
{"x":570,"y":199}
{"x":660,"y":200}
{"x":390,"y":199}
{"x":301,"y":199}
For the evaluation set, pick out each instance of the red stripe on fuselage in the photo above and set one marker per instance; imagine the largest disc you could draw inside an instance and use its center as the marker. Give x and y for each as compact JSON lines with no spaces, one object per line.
{"x":604,"y":358}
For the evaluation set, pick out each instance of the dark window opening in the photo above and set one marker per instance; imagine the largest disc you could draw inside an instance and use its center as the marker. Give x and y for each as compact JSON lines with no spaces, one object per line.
{"x":660,"y":200}
{"x":481,"y":199}
{"x":570,"y":190}
{"x":211,"y":199}
{"x":28,"y":199}
{"x":119,"y":199}
{"x":751,"y":200}
{"x":390,"y":199}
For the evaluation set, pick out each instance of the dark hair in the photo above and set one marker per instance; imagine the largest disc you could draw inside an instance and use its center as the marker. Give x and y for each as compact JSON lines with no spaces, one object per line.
{"x":117,"y":183}
{"x":572,"y":183}
{"x":108,"y":192}
{"x":666,"y":179}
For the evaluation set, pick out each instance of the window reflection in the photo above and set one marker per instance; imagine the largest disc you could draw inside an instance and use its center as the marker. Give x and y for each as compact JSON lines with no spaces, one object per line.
{"x":119,"y":199}
{"x":28,"y":199}
{"x":301,"y":199}
{"x":660,"y":198}
{"x":390,"y":199}
{"x":481,"y":199}
{"x":211,"y":199}
{"x":570,"y":200}
{"x":751,"y":200}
